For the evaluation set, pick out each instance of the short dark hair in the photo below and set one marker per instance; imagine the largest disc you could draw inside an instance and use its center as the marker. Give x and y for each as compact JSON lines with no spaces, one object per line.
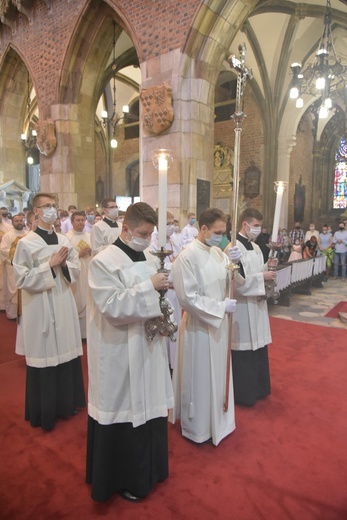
{"x":77,"y":214}
{"x":249,"y":214}
{"x":209,"y":217}
{"x":71,"y":206}
{"x":38,"y":196}
{"x":20,"y":215}
{"x":138,"y":213}
{"x":104,"y":202}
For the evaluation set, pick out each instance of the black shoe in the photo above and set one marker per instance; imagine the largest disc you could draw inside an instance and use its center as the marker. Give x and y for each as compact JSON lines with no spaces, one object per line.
{"x":129,"y":496}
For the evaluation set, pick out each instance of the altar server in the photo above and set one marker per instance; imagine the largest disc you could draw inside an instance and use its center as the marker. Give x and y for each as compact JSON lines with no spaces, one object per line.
{"x":107,"y":230}
{"x":130,"y":388}
{"x":199,"y":276}
{"x":80,"y":239}
{"x":251,"y":327}
{"x":45,"y":265}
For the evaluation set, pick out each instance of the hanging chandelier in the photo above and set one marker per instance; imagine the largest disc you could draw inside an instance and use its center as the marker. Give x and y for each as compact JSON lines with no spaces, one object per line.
{"x":325,"y":78}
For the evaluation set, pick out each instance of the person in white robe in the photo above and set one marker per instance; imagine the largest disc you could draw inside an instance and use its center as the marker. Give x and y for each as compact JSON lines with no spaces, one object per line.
{"x":66,"y":224}
{"x":199,"y":277}
{"x":176,"y":239}
{"x":90,"y":219}
{"x":130,"y":389}
{"x":7,"y":249}
{"x":81,"y":242}
{"x":251,"y":327}
{"x":171,"y":294}
{"x":106,"y":231}
{"x":45,"y":264}
{"x":189,"y":232}
{"x":4,"y":228}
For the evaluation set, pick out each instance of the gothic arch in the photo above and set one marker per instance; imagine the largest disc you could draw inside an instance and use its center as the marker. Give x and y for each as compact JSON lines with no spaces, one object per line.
{"x":13,"y":114}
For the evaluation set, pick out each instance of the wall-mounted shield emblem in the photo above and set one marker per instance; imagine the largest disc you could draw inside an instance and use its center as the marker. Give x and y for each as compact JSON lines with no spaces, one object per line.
{"x":46,"y":140}
{"x":157,"y":110}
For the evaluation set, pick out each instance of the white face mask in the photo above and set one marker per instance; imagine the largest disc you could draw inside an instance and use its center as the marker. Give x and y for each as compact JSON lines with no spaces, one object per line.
{"x":253,"y":232}
{"x":49,"y":215}
{"x":112,"y":213}
{"x":138,"y":244}
{"x":214,"y":240}
{"x":176,"y":229}
{"x":169,"y":230}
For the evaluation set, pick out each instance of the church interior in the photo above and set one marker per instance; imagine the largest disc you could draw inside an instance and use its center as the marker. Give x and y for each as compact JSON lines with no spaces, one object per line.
{"x":90,"y":91}
{"x":78,"y":74}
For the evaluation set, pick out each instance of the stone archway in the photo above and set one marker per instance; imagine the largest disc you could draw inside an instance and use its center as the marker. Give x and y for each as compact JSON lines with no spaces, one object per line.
{"x":74,"y":169}
{"x":13,"y":98}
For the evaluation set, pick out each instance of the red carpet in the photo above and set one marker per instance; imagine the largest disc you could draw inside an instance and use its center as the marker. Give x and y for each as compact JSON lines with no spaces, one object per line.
{"x":287,"y":459}
{"x":334,"y":312}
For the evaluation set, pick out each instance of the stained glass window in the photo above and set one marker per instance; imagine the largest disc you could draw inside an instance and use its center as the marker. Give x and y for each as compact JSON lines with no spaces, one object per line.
{"x":340,"y":180}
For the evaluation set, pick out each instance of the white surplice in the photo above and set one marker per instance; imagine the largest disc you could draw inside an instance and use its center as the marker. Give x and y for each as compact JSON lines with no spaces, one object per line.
{"x":199,"y":278}
{"x":251,"y":327}
{"x":48,"y":332}
{"x":80,"y":240}
{"x":129,"y":377}
{"x":102,"y":235}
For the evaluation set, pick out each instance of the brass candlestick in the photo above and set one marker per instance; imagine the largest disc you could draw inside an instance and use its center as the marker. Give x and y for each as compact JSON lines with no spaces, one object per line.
{"x":270,"y":285}
{"x":163,"y":323}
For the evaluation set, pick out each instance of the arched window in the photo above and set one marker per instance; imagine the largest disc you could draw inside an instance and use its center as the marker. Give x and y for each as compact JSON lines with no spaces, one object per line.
{"x":340,"y":179}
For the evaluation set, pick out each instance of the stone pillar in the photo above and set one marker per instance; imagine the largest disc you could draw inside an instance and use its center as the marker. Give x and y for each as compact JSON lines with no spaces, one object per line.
{"x":190,"y":136}
{"x":285,"y":146}
{"x":70,"y":171}
{"x":317,"y":169}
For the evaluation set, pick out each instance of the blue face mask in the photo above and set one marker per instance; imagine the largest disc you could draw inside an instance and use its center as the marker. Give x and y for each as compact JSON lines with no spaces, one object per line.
{"x":90,"y":218}
{"x":192,"y":221}
{"x":214,"y":240}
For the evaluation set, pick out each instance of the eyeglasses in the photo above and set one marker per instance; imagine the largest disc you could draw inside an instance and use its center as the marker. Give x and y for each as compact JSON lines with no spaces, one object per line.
{"x":48,"y":206}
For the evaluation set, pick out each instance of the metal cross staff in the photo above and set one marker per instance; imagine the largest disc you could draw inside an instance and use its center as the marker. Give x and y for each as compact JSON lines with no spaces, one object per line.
{"x":243,"y":73}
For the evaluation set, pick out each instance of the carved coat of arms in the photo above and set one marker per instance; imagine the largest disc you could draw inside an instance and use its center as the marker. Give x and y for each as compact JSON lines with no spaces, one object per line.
{"x":46,"y":141}
{"x":157,"y":110}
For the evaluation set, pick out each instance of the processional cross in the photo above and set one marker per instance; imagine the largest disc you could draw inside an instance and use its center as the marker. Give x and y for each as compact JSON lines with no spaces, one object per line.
{"x":243,"y":73}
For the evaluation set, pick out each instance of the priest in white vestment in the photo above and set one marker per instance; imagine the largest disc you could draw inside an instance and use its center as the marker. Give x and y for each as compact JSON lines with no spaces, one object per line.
{"x":7,"y":249}
{"x":251,"y":327}
{"x":80,"y":240}
{"x":48,"y":334}
{"x":107,"y":230}
{"x":4,"y":228}
{"x":199,"y":277}
{"x":130,"y":388}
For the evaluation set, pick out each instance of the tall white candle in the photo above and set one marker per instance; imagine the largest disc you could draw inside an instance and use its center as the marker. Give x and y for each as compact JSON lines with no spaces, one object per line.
{"x":280,"y":190}
{"x":162,"y":199}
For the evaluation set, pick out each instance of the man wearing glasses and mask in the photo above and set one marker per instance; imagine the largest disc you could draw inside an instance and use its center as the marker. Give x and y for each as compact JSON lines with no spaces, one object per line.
{"x":107,"y":230}
{"x":45,"y":265}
